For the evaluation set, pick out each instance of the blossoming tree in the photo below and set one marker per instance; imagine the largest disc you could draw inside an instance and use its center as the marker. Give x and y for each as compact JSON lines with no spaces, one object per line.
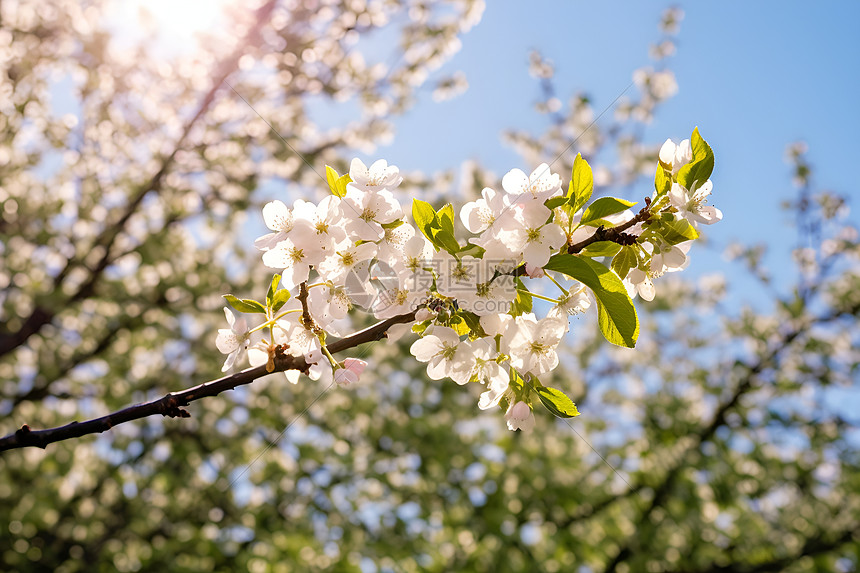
{"x":710,"y":446}
{"x":465,"y":297}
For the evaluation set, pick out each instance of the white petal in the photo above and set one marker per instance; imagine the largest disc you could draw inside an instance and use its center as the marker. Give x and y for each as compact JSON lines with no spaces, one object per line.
{"x":667,"y":153}
{"x":425,"y":348}
{"x":277,"y":216}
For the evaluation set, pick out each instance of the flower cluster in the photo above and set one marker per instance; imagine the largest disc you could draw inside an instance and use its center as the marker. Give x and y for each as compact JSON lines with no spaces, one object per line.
{"x":466,"y":299}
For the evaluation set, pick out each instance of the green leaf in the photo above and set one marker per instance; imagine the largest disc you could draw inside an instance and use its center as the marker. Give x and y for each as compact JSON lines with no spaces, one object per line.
{"x":516,"y":381}
{"x":603,"y":207}
{"x":247,"y":305}
{"x":473,"y":250}
{"x":280,"y":299}
{"x":459,"y":325}
{"x":446,"y":218}
{"x":662,"y":180}
{"x":581,"y":184}
{"x":625,"y":260}
{"x":523,"y":302}
{"x":424,"y":216}
{"x":700,"y":168}
{"x":557,"y":402}
{"x":474,"y":322}
{"x":445,"y":240}
{"x":393,"y":224}
{"x":270,"y":295}
{"x":600,"y":249}
{"x":336,"y":182}
{"x":678,"y":231}
{"x":332,"y":176}
{"x":616,"y":314}
{"x":554,"y":202}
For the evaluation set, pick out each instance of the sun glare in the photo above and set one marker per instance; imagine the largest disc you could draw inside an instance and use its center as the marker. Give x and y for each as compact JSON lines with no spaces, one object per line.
{"x":177,"y":24}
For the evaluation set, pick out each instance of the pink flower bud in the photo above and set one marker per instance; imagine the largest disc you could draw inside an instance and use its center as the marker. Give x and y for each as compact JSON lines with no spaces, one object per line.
{"x":355,"y":365}
{"x":534,"y":272}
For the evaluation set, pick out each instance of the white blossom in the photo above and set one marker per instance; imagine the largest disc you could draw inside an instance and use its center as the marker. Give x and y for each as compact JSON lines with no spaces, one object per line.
{"x":441,"y":350}
{"x":233,"y":341}
{"x":691,"y":205}
{"x":540,"y":185}
{"x":377,"y":177}
{"x":520,"y":417}
{"x":532,"y":347}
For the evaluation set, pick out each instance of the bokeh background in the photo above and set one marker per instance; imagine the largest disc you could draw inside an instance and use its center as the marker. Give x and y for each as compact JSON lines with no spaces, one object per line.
{"x":138,"y":144}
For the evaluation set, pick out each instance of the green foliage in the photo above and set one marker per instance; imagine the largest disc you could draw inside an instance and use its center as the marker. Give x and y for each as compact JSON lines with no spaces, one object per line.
{"x":523,"y":303}
{"x":245,"y":305}
{"x":601,"y":249}
{"x":276,"y":298}
{"x":695,"y":173}
{"x":603,"y":207}
{"x":625,"y":260}
{"x":715,"y":458}
{"x":557,"y":402}
{"x":337,"y":183}
{"x":662,"y":180}
{"x":437,"y":227}
{"x":675,"y":232}
{"x":581,"y":184}
{"x":616,"y":314}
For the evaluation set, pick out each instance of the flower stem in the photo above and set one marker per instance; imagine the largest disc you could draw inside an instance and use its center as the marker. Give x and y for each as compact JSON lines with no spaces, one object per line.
{"x":555,"y":282}
{"x":272,"y":321}
{"x":540,"y":296}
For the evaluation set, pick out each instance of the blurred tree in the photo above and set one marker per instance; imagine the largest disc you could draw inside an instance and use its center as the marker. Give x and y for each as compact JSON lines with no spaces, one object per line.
{"x":720,"y":444}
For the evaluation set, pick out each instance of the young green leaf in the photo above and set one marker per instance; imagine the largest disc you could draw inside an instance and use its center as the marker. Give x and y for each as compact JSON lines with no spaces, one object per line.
{"x":331,"y":176}
{"x":270,"y":295}
{"x":443,"y":239}
{"x":473,"y":250}
{"x":581,"y":184}
{"x":604,"y":207}
{"x":700,"y":168}
{"x":600,"y":249}
{"x":523,"y":302}
{"x":625,"y":260}
{"x":616,"y":314}
{"x":424,"y":216}
{"x":662,"y":180}
{"x":554,"y":202}
{"x":557,"y":402}
{"x":336,"y":182}
{"x":474,"y":322}
{"x":446,"y":218}
{"x":280,"y":299}
{"x":341,"y":184}
{"x":247,"y":305}
{"x":675,"y":232}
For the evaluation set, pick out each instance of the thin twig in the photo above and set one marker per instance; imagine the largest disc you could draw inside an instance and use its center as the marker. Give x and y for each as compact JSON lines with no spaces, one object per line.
{"x":173,"y":404}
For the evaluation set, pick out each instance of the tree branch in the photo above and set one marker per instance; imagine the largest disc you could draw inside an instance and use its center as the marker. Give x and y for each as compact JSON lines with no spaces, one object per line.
{"x":41,"y":316}
{"x":614,"y":234}
{"x":173,"y":404}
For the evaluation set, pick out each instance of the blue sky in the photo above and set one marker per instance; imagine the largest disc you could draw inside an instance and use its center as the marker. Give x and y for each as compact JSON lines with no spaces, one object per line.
{"x":753,"y":76}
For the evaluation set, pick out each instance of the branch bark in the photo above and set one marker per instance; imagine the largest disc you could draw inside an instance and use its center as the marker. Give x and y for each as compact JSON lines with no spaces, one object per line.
{"x":173,"y":404}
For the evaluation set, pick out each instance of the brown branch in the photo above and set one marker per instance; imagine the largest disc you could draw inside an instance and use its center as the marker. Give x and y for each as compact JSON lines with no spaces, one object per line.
{"x":614,"y":234}
{"x":307,"y":320}
{"x":173,"y":404}
{"x":42,"y":316}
